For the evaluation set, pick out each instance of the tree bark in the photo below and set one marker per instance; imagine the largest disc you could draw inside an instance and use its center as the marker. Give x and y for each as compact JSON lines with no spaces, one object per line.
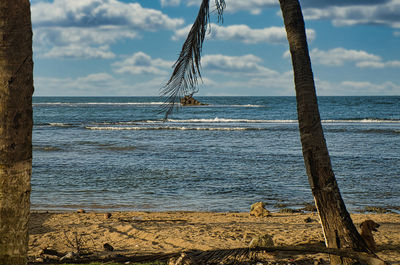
{"x":16,"y":89}
{"x":338,"y":228}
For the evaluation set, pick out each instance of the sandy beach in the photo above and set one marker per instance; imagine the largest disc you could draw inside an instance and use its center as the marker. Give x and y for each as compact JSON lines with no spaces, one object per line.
{"x":136,"y":233}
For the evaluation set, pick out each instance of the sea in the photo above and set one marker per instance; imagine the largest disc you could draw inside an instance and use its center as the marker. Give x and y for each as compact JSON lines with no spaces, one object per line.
{"x":119,"y":154}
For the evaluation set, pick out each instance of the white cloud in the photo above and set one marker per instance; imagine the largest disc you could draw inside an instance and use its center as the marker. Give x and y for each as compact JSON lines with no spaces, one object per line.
{"x":73,"y":35}
{"x":170,"y":2}
{"x":141,"y":63}
{"x":378,"y":13}
{"x":374,"y":64}
{"x":76,"y":51}
{"x":93,"y":13}
{"x":354,"y":88}
{"x":370,"y":64}
{"x":279,"y":84}
{"x":240,"y":65}
{"x":92,"y":24}
{"x":340,"y":56}
{"x":253,"y":6}
{"x":341,"y":12}
{"x":92,"y":84}
{"x":97,"y":84}
{"x":392,"y":63}
{"x":245,"y":34}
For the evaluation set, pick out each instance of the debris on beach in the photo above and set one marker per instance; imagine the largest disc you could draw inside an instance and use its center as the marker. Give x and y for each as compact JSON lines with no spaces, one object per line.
{"x":108,"y":247}
{"x":70,"y":256}
{"x":258,"y":210}
{"x":309,"y":207}
{"x":261,"y":241}
{"x":308,"y":220}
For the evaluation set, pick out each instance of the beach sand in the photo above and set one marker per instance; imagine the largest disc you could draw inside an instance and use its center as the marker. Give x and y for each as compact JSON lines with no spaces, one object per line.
{"x":136,"y":233}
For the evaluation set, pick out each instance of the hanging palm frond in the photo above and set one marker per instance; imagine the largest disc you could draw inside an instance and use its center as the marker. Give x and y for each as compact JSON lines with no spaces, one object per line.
{"x":184,"y":78}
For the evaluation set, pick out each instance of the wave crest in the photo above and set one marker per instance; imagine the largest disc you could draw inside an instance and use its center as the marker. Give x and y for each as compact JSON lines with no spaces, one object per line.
{"x":118,"y":128}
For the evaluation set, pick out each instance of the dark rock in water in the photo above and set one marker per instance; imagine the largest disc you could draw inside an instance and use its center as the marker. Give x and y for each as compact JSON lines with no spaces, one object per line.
{"x":190,"y":101}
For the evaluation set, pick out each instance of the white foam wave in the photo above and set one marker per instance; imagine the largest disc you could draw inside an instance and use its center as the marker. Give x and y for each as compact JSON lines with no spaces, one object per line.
{"x":116,"y":128}
{"x":95,"y":103}
{"x":223,"y":120}
{"x":191,"y":123}
{"x":361,"y":121}
{"x":136,"y":103}
{"x":59,"y":124}
{"x":241,"y":121}
{"x":245,"y":106}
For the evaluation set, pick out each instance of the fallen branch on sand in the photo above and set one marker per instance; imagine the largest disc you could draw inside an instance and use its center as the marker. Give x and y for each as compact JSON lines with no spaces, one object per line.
{"x":215,"y":256}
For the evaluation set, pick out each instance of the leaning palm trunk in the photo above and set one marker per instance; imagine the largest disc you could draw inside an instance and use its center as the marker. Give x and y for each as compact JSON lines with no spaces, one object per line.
{"x":339,"y":230}
{"x":16,"y":88}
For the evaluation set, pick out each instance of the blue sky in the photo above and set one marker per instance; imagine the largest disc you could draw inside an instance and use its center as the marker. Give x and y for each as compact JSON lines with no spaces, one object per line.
{"x":127,"y":47}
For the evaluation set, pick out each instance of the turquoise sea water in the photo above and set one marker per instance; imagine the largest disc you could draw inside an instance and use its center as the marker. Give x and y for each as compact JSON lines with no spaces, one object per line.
{"x":117,"y":154}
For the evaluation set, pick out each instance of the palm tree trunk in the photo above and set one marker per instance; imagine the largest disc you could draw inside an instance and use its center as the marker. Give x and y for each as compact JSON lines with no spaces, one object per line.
{"x":16,"y":88}
{"x":339,"y":230}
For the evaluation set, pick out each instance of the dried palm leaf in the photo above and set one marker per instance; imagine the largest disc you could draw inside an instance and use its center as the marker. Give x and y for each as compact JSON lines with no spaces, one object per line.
{"x":235,"y":256}
{"x":184,"y":78}
{"x":240,"y":254}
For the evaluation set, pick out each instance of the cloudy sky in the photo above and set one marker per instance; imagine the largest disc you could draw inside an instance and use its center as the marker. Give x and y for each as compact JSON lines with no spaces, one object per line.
{"x":127,"y":47}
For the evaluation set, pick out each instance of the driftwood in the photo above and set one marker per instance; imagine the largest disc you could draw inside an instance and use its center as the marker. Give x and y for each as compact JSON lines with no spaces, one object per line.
{"x":52,"y":252}
{"x":214,"y":256}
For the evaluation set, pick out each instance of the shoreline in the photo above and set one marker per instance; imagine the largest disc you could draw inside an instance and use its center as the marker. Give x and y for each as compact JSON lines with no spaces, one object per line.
{"x":143,"y":232}
{"x":279,"y":208}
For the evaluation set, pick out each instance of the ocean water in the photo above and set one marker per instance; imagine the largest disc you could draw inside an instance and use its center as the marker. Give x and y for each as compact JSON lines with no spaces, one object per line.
{"x":116,"y":153}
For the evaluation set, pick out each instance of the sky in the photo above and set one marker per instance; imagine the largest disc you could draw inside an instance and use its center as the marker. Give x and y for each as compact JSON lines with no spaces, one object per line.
{"x":128,"y":47}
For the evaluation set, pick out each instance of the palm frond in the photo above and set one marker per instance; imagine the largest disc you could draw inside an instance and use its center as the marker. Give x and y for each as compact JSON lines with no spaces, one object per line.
{"x":184,"y":78}
{"x":229,"y":256}
{"x":220,"y":4}
{"x":237,"y":255}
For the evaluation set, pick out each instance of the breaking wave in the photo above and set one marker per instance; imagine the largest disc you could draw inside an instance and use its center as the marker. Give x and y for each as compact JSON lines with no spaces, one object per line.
{"x":80,"y":104}
{"x":222,"y":120}
{"x":121,"y":128}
